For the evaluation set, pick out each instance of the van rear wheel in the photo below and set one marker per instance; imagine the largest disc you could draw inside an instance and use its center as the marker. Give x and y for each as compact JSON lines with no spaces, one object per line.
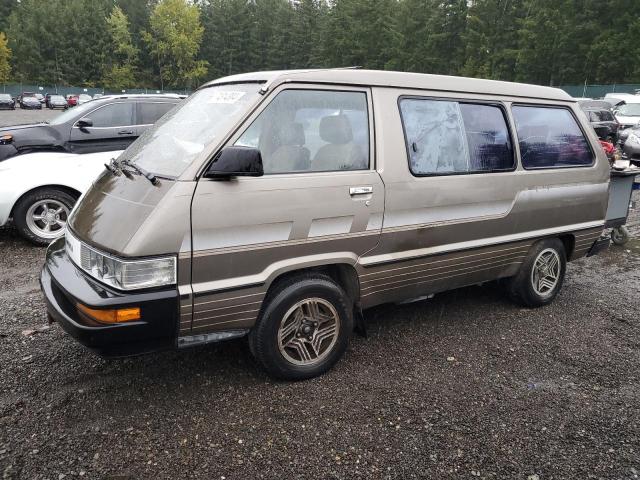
{"x":304,"y":328}
{"x":541,"y":274}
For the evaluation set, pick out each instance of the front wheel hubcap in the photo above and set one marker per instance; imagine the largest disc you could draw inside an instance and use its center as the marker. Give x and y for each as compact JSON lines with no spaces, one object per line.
{"x":47,"y":218}
{"x":308,"y":331}
{"x":546,"y":272}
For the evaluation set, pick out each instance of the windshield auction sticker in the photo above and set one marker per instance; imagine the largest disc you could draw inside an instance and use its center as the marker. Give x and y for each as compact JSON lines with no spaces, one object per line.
{"x":222,"y":96}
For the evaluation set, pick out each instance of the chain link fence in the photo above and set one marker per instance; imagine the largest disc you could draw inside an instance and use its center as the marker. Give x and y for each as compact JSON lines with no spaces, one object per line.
{"x":16,"y":89}
{"x":598,"y":91}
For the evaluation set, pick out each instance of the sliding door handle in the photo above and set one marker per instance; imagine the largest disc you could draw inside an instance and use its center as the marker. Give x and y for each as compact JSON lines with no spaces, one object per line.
{"x":360,"y":190}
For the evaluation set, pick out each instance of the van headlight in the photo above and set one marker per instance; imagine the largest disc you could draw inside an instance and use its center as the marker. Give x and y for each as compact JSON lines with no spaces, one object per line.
{"x":118,"y":273}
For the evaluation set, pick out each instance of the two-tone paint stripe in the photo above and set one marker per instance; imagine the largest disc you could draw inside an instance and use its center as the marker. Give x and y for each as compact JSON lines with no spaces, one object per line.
{"x":583,"y":242}
{"x":441,"y":268}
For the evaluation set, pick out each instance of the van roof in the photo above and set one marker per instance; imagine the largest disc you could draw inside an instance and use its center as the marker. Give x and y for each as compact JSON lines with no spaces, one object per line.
{"x":383,"y":78}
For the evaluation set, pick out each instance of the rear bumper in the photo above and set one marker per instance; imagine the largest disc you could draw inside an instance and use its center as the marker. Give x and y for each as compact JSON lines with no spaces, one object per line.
{"x":64,"y":285}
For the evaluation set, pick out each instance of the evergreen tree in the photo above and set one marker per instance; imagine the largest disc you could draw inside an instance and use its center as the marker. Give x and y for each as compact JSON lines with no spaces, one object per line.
{"x":431,"y":36}
{"x":6,"y":7}
{"x":361,"y":33}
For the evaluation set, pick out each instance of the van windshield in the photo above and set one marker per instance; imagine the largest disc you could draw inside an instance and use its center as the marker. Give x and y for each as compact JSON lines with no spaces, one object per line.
{"x":168,"y":147}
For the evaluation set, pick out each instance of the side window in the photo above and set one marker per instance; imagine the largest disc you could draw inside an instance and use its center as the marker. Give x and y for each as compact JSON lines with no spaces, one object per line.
{"x":312,"y":131}
{"x":150,"y":113}
{"x":550,"y":137}
{"x":606,"y":116}
{"x":446,"y":137}
{"x":595,"y":116}
{"x":114,"y":115}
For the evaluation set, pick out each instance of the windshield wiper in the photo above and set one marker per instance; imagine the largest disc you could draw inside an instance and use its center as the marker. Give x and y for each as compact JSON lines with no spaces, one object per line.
{"x":116,"y":168}
{"x":148,"y":175}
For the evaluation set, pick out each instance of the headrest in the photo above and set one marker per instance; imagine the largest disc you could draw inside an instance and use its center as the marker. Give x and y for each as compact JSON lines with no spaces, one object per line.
{"x":336,"y":129}
{"x":291,"y":134}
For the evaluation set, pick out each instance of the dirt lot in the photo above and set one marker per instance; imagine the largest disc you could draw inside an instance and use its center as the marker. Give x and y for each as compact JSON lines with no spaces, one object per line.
{"x":20,"y":117}
{"x":552,"y":393}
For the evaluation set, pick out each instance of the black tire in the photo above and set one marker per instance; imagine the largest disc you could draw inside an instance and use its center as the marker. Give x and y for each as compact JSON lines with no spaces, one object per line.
{"x":620,"y":235}
{"x":21,"y":209}
{"x":521,"y":287}
{"x":263,"y":339}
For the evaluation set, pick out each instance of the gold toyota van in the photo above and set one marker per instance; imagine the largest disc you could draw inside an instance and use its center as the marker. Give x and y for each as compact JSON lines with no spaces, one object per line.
{"x":279,"y":205}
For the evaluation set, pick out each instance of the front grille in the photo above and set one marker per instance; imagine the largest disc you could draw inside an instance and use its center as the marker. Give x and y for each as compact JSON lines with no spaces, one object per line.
{"x":85,"y":260}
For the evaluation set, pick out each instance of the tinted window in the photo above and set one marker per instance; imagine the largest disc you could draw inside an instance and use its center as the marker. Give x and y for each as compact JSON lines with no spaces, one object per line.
{"x":149,"y":113}
{"x":606,"y":116}
{"x":451,"y":137}
{"x":114,"y":115}
{"x":550,"y":137}
{"x":312,"y":130}
{"x":594,"y":117}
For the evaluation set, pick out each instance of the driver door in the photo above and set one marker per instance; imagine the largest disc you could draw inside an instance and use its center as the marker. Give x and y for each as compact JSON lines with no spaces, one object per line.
{"x":319,"y":202}
{"x":113,"y":128}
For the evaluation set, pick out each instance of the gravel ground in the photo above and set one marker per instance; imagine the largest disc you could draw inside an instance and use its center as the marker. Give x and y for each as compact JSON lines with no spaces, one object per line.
{"x":20,"y":117}
{"x":465,"y":385}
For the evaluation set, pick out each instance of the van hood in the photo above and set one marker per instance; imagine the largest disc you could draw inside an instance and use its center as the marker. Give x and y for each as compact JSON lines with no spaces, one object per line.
{"x":130,"y":217}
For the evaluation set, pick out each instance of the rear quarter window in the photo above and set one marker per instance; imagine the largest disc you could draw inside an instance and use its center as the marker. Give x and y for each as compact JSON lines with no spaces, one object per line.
{"x":445,"y":137}
{"x":550,"y":137}
{"x":150,"y":113}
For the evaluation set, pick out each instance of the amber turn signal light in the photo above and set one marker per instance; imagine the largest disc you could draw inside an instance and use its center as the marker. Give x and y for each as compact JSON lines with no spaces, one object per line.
{"x":120,"y":315}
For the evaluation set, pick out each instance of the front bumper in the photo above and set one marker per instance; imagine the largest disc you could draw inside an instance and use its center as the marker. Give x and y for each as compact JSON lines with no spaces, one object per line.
{"x":64,"y":285}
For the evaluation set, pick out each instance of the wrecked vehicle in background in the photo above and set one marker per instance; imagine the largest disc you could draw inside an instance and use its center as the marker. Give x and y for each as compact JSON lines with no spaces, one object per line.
{"x":103,"y":125}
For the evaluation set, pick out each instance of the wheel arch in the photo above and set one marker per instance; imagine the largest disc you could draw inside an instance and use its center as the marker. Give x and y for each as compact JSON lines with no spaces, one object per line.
{"x":69,"y":190}
{"x":568,"y":241}
{"x":343,"y":273}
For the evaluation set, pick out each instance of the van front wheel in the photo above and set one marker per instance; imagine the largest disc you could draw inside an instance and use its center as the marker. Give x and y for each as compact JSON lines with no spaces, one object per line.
{"x":541,"y":274}
{"x":304,"y":328}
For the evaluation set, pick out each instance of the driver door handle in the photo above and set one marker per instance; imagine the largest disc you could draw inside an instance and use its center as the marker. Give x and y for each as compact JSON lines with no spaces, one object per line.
{"x":364,"y":190}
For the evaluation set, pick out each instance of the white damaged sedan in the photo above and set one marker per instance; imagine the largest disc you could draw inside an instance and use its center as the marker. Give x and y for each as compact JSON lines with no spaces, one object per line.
{"x":39,"y":190}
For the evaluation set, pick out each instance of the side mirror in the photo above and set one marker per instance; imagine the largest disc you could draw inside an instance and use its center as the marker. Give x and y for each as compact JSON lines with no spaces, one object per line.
{"x":84,"y":122}
{"x":236,"y":161}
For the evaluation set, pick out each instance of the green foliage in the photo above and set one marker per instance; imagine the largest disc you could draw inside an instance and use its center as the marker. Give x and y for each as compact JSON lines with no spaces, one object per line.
{"x":59,"y":41}
{"x":121,"y":70}
{"x":5,"y":56}
{"x":178,"y":43}
{"x":174,"y":39}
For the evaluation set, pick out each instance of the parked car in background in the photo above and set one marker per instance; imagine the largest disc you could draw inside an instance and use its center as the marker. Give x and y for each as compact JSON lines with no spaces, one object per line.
{"x":628,"y":115}
{"x":72,"y":100}
{"x":109,"y":123}
{"x":97,"y":95}
{"x":30,"y":103}
{"x":7,"y":102}
{"x":40,"y":97}
{"x":84,"y":98}
{"x":603,"y":121}
{"x":631,"y":146}
{"x":38,"y":190}
{"x":57,"y":101}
